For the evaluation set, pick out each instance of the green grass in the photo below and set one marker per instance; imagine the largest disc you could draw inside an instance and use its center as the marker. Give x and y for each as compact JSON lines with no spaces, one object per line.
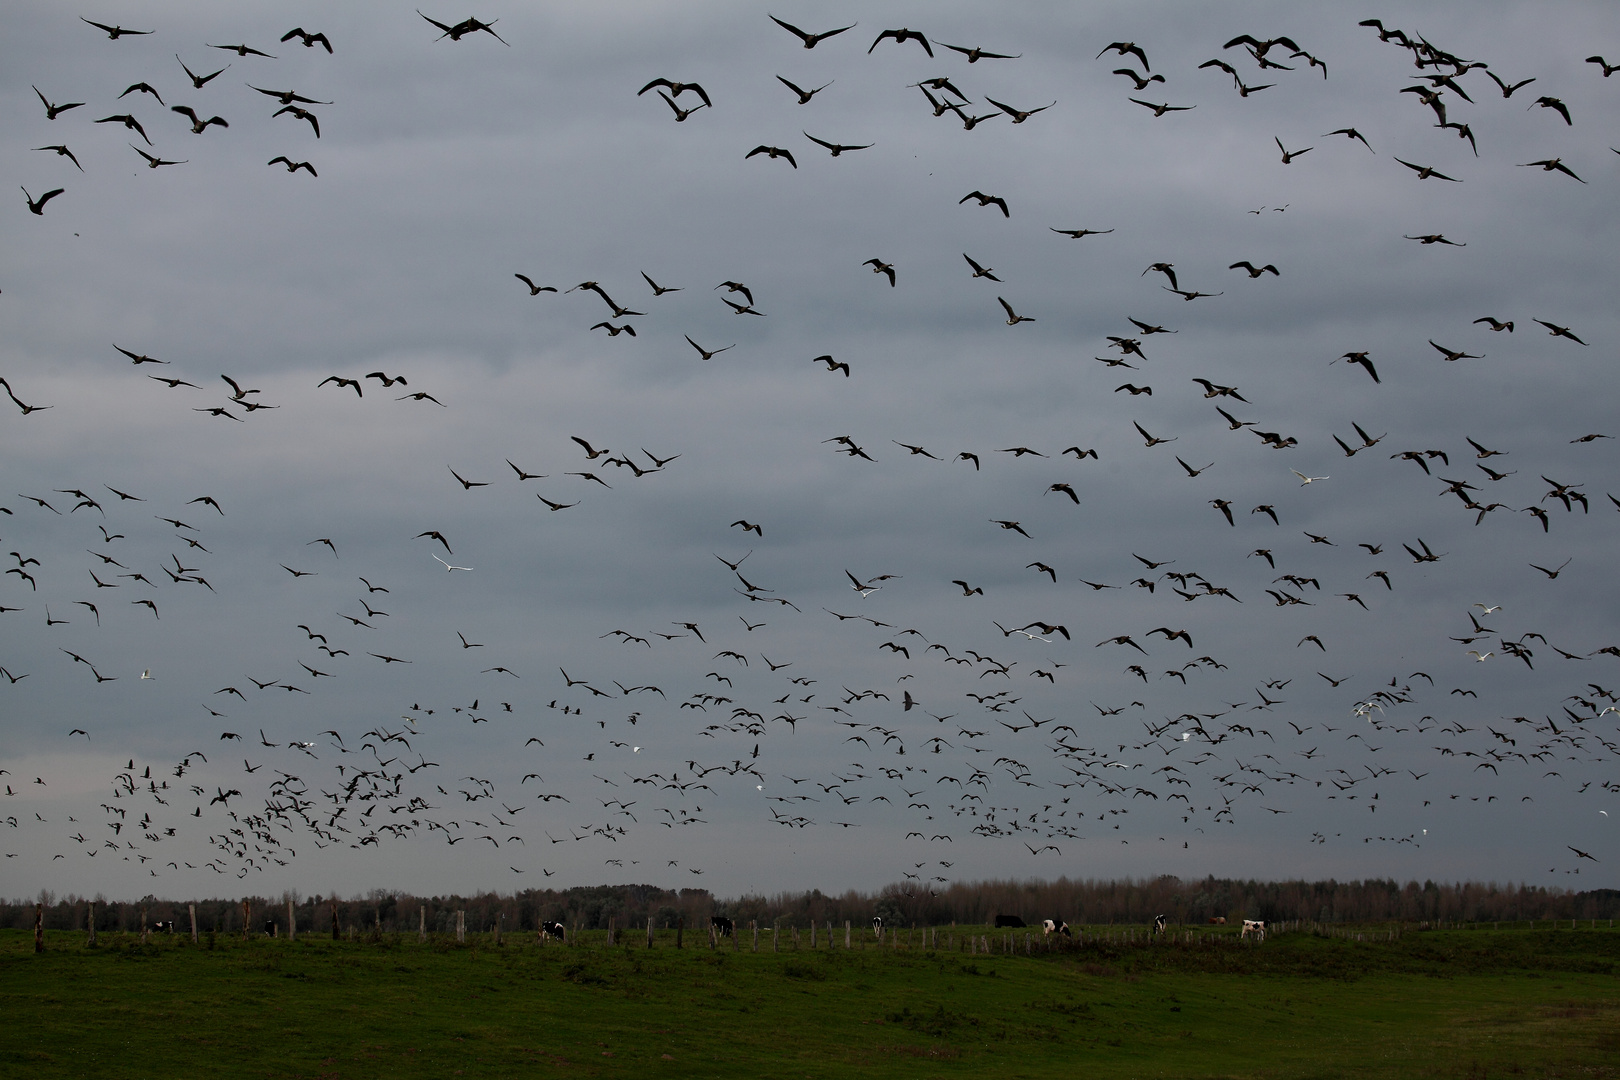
{"x":1443,"y":1004}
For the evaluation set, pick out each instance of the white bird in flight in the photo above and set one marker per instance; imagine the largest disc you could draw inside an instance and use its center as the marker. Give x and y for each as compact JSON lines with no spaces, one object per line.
{"x":447,"y":566}
{"x":1307,"y":479}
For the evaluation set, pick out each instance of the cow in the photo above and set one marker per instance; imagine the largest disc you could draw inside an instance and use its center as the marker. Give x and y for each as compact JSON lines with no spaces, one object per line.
{"x":1257,"y":927}
{"x":1012,"y":921}
{"x":1055,"y":926}
{"x":877,"y":925}
{"x":1158,"y":924}
{"x":551,"y":930}
{"x":1218,"y":920}
{"x":721,"y":925}
{"x":165,"y":926}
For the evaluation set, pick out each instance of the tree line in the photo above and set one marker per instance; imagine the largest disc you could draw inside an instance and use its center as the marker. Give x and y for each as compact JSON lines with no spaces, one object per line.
{"x":1078,"y":902}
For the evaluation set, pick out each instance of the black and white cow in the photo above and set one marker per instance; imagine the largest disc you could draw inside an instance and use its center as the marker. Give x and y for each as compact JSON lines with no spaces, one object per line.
{"x":1056,"y":926}
{"x":552,"y":930}
{"x":165,"y":926}
{"x":721,"y":925}
{"x":1159,"y":923}
{"x":877,"y":925}
{"x":1257,"y":927}
{"x":1013,"y":921}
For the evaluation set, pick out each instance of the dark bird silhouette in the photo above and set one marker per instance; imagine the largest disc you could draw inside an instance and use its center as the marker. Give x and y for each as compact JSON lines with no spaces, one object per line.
{"x":1018,"y":115}
{"x":1160,"y":109}
{"x":681,"y":114}
{"x":129,"y":122}
{"x":900,"y":37}
{"x":63,"y":151}
{"x":709,"y":354}
{"x":198,"y":126}
{"x":1425,"y":172}
{"x":1352,"y":133}
{"x":837,"y":365}
{"x":1507,"y":88}
{"x":772,"y":152}
{"x":152,"y":161}
{"x":37,"y":208}
{"x":1551,"y":165}
{"x":987,"y":200}
{"x":52,"y":111}
{"x":115,"y":32}
{"x":287,"y":97}
{"x":974,"y":55}
{"x":199,"y":81}
{"x":1128,"y":48}
{"x":835,"y":148}
{"x":299,"y":113}
{"x":812,"y":40}
{"x":144,"y":88}
{"x":1553,"y":330}
{"x":676,"y":89}
{"x":1013,"y":318}
{"x":1360,"y":358}
{"x":310,"y":40}
{"x":342,"y":382}
{"x":1556,"y":106}
{"x":294,"y":166}
{"x":1141,"y":83}
{"x":804,"y":95}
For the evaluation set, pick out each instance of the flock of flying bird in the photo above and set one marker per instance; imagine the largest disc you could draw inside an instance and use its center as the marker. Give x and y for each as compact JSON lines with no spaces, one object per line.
{"x":948,"y":760}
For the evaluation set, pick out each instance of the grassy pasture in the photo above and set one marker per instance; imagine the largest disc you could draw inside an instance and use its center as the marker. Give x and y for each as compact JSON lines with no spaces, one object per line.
{"x":1452,"y":1003}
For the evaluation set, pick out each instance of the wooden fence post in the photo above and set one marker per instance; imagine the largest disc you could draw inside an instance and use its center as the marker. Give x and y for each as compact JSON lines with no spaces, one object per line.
{"x":680,"y":927}
{"x":246,"y":912}
{"x":461,"y":927}
{"x":500,"y":919}
{"x":754,"y":924}
{"x":711,"y":937}
{"x":90,"y":922}
{"x":334,"y":919}
{"x":143,"y":926}
{"x":421,"y":926}
{"x":292,"y":921}
{"x":812,"y":934}
{"x":846,"y":933}
{"x":39,"y":928}
{"x":649,"y":932}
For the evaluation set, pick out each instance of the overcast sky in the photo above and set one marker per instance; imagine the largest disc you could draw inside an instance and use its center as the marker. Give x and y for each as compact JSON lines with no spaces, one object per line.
{"x":1446,"y":720}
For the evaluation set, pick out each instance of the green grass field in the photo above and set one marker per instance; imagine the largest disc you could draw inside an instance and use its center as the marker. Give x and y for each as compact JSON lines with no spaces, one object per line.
{"x":1453,"y":1003}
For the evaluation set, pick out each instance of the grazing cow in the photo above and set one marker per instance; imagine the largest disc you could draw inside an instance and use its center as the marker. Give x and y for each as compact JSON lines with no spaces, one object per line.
{"x":877,"y":925}
{"x":551,"y":930}
{"x":164,"y":926}
{"x":1013,"y":921}
{"x":722,"y":925}
{"x":1219,"y":920}
{"x":1158,"y":924}
{"x":269,"y":928}
{"x":1257,"y":927}
{"x":1055,"y":926}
